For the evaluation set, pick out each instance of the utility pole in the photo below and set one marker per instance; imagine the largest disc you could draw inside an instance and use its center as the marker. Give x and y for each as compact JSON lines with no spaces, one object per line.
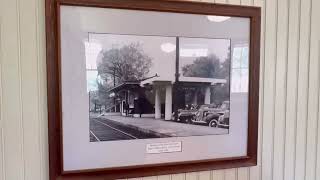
{"x":114,"y":85}
{"x":89,"y":100}
{"x":177,"y":74}
{"x":114,"y":78}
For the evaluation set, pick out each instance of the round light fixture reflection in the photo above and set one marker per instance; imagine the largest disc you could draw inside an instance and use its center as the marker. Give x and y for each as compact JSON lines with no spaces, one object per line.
{"x":168,"y":47}
{"x":218,"y":18}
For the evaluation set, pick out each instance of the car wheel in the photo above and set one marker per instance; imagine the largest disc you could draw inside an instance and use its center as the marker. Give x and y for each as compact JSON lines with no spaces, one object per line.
{"x":213,"y":123}
{"x":188,"y":121}
{"x":182,"y":120}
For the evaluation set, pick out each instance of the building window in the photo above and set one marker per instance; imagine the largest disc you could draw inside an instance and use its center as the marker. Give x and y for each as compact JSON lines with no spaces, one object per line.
{"x":240,"y":69}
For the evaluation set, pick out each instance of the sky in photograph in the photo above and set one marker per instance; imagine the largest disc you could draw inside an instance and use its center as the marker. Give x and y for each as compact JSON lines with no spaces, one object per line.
{"x":163,"y":59}
{"x":162,"y":62}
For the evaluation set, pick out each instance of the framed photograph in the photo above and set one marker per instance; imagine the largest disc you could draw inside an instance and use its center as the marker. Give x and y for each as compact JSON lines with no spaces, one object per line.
{"x":139,"y":87}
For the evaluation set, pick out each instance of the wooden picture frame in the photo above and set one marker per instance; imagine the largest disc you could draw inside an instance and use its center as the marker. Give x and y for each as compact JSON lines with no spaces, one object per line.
{"x":54,"y":88}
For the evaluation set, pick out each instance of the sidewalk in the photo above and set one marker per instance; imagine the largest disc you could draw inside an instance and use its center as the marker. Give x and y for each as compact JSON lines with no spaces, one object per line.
{"x":166,"y":128}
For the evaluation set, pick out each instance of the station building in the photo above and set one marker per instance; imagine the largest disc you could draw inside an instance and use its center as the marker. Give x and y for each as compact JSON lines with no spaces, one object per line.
{"x":159,"y":97}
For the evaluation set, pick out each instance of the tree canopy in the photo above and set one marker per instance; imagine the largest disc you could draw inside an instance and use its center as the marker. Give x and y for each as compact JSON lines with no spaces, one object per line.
{"x":211,"y":67}
{"x":207,"y":67}
{"x":128,"y":63}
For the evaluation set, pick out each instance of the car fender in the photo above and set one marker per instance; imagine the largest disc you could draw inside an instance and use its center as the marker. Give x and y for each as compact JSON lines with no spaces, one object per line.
{"x":209,"y":117}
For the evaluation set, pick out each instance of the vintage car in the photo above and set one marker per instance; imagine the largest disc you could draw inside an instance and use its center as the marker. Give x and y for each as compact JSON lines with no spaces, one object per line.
{"x":210,"y":115}
{"x":223,"y":120}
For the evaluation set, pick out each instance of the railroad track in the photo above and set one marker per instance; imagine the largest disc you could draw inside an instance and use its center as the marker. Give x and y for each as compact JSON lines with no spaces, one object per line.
{"x":102,"y":131}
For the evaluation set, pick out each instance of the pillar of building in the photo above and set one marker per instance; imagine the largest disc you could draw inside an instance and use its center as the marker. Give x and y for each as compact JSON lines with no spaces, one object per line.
{"x":195,"y":97}
{"x":157,"y":103}
{"x":168,"y":103}
{"x":121,"y":107}
{"x":207,"y":96}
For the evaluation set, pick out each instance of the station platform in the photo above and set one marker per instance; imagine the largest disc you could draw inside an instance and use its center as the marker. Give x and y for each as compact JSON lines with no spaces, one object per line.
{"x":165,"y":128}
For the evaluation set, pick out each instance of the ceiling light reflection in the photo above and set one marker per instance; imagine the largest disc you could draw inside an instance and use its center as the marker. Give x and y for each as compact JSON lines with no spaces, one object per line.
{"x":218,"y":18}
{"x":168,"y":47}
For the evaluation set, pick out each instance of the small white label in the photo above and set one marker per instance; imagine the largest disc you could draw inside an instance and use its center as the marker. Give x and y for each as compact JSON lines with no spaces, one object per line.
{"x":167,"y":147}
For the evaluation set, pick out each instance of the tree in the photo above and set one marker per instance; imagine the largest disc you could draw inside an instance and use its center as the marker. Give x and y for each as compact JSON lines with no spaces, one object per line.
{"x":94,"y":99}
{"x":211,"y":67}
{"x":128,"y":63}
{"x":206,"y":67}
{"x":226,"y":66}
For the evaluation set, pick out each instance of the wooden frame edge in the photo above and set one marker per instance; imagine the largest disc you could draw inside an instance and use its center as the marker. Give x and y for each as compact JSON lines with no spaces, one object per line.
{"x":180,"y":6}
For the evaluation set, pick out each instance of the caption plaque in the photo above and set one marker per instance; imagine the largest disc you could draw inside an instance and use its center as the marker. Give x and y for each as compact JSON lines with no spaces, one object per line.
{"x":168,"y":147}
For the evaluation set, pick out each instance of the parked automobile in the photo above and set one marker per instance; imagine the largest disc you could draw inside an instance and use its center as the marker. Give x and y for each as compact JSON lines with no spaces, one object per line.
{"x":223,"y":121}
{"x":209,"y":114}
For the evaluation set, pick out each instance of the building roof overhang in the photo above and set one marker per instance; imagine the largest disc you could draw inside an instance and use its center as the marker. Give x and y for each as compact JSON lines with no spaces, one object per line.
{"x":125,"y":86}
{"x":194,"y":80}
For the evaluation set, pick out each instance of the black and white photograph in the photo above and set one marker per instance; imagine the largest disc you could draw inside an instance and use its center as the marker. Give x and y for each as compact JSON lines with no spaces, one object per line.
{"x":143,"y":86}
{"x":163,"y":85}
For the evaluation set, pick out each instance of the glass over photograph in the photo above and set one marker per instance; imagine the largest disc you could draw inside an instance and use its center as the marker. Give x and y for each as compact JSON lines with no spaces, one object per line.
{"x":143,"y":86}
{"x":159,"y":85}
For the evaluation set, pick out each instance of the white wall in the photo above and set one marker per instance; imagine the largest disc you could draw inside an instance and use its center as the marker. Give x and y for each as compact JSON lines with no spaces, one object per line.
{"x":289,"y":113}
